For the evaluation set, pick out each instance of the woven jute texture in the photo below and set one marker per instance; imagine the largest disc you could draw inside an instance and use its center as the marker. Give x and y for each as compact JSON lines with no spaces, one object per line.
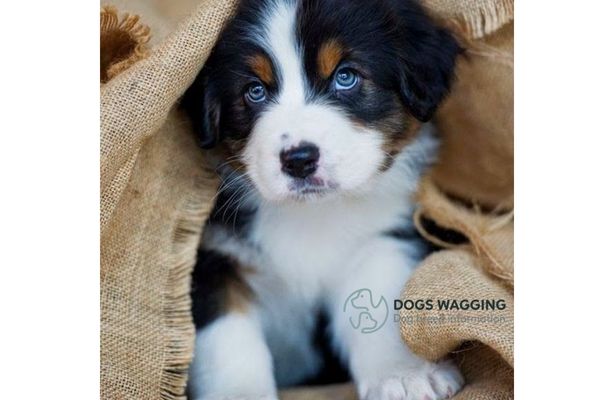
{"x":482,"y":341}
{"x":476,"y":122}
{"x":473,"y":19}
{"x":156,"y":193}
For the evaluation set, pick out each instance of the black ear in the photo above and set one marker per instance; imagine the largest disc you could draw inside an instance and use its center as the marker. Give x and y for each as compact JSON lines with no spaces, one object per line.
{"x":427,"y":57}
{"x":203,"y":106}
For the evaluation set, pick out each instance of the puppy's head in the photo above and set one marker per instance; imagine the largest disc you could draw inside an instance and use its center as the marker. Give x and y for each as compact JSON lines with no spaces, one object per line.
{"x":316,"y":97}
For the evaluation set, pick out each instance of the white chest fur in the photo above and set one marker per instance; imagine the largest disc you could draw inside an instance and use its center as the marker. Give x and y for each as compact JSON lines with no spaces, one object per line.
{"x":306,"y":245}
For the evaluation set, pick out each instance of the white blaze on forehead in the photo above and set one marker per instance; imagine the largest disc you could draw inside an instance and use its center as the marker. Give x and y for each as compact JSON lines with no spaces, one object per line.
{"x":281,"y":42}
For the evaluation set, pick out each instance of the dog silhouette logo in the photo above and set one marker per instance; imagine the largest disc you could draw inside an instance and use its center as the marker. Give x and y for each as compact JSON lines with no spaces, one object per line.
{"x":364,"y":313}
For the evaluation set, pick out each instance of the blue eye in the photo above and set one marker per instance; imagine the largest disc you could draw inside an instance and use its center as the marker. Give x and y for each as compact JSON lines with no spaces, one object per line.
{"x":345,"y":79}
{"x":256,"y":93}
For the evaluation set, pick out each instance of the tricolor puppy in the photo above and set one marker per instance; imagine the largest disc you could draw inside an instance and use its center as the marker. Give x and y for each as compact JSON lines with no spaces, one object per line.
{"x":315,"y":107}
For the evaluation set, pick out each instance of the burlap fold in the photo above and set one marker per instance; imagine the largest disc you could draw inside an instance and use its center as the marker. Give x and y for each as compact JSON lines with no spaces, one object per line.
{"x":122,"y":42}
{"x":470,"y":191}
{"x":155,"y":195}
{"x":490,"y":235}
{"x":476,"y":123}
{"x":473,"y":19}
{"x":463,"y":279}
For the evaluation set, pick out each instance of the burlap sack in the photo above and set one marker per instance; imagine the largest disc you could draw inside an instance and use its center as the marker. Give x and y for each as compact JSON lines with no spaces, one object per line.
{"x":476,"y":121}
{"x":470,"y":190}
{"x":156,"y":193}
{"x":473,"y":19}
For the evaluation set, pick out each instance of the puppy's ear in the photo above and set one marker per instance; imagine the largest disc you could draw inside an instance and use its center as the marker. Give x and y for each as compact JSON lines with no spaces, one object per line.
{"x":427,"y":58}
{"x":203,"y":106}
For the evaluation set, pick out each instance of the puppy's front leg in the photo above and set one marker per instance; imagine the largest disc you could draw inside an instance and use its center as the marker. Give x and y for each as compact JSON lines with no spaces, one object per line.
{"x":232,"y":361}
{"x":383,"y":367}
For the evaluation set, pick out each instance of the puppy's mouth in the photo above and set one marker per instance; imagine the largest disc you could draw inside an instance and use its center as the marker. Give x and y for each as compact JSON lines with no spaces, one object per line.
{"x":311,"y":188}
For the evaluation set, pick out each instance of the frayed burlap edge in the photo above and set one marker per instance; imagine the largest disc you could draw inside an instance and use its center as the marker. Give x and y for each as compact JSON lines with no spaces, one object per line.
{"x":178,"y":333}
{"x":473,"y":19}
{"x":122,"y":42}
{"x":474,"y":224}
{"x":180,"y":328}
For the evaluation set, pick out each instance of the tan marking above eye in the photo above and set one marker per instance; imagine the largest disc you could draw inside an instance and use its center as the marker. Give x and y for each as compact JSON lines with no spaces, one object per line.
{"x":261,"y":66}
{"x":330,"y":55}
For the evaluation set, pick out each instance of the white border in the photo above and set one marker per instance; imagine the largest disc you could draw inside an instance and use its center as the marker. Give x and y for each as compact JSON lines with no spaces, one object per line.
{"x":557,"y":199}
{"x":49,"y":146}
{"x":49,"y":200}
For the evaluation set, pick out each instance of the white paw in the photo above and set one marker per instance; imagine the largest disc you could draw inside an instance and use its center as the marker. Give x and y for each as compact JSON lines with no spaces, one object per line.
{"x":429,"y":382}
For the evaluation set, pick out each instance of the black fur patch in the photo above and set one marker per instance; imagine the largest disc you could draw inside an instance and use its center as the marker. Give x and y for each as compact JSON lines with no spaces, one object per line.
{"x":407,"y":233}
{"x":213,"y":276}
{"x":444,"y":234}
{"x":333,"y":370}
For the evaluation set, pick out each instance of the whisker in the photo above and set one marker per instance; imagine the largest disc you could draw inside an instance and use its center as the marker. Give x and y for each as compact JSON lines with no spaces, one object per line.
{"x":229,"y":200}
{"x":227,"y":184}
{"x":240,"y":203}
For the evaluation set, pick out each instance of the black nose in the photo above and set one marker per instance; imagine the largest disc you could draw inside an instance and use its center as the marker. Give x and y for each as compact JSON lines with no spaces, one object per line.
{"x":300,"y":161}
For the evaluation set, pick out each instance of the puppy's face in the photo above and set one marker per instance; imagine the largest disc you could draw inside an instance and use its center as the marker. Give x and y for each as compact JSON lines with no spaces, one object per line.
{"x":316,"y":97}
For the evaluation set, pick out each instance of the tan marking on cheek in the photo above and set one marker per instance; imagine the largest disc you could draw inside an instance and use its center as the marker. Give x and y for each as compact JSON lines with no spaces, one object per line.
{"x":330,"y":55}
{"x":261,"y":66}
{"x":399,"y":130}
{"x":396,"y":140}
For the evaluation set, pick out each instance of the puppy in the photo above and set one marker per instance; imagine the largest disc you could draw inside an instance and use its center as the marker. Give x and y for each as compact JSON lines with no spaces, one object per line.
{"x":316,"y":108}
